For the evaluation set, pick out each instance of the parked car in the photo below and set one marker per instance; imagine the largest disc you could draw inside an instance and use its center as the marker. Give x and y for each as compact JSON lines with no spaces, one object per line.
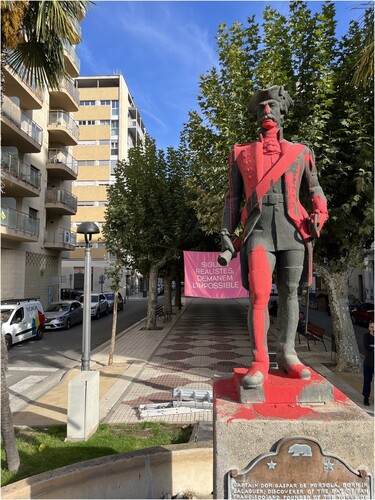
{"x":63,"y":314}
{"x":99,"y":304}
{"x":363,"y":313}
{"x":110,"y":296}
{"x":21,"y":319}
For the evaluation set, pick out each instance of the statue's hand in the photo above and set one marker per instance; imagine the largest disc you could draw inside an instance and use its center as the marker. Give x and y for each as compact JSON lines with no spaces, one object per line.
{"x":226,"y":243}
{"x":227,"y":249}
{"x":316,"y":222}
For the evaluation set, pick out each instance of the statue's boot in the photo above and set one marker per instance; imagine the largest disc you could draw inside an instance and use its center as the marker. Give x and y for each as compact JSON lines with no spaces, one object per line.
{"x":256,"y":375}
{"x":258,"y":371}
{"x":292,"y":366}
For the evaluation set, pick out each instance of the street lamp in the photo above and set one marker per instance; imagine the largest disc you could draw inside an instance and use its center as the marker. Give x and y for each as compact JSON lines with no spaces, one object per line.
{"x":88,"y":229}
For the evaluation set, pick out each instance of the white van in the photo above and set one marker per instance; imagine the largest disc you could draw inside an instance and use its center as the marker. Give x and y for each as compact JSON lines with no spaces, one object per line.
{"x":21,"y":320}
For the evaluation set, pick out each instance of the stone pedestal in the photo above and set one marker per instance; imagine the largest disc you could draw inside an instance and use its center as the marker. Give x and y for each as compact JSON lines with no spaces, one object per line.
{"x":83,"y":406}
{"x":288,"y":408}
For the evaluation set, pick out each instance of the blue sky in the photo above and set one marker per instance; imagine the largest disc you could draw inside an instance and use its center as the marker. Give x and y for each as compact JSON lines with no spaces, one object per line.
{"x":162,"y":47}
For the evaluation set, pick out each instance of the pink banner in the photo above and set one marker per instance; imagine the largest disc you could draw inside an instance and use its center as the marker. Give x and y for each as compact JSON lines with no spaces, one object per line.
{"x":205,"y":277}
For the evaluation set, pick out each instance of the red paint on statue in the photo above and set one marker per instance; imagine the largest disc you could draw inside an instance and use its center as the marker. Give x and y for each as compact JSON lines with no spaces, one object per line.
{"x":260,"y":283}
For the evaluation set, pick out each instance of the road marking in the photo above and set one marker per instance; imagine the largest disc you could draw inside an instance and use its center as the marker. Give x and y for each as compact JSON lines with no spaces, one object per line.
{"x":31,"y":369}
{"x":22,"y":387}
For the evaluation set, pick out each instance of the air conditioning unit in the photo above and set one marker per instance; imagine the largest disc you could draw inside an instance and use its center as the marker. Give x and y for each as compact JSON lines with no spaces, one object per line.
{"x":67,"y":237}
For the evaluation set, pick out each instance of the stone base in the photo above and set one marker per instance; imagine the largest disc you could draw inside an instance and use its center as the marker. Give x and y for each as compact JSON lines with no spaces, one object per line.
{"x":83,"y":406}
{"x":280,"y":388}
{"x":244,"y":431}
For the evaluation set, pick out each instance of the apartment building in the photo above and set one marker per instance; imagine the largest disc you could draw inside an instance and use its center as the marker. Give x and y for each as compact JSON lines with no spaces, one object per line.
{"x":37,"y":133}
{"x":110,"y":124}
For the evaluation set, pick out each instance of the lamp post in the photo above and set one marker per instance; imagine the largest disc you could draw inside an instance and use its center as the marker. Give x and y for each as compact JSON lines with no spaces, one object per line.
{"x":87,"y":229}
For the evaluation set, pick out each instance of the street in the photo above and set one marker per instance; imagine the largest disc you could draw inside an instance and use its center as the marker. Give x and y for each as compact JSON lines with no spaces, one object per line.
{"x":35,"y":365}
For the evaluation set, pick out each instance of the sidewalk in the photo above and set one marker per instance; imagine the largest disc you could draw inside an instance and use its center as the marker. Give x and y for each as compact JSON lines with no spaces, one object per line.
{"x":204,"y":341}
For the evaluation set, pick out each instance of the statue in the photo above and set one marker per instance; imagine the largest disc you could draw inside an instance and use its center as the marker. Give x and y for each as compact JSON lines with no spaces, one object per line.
{"x":278,"y":231}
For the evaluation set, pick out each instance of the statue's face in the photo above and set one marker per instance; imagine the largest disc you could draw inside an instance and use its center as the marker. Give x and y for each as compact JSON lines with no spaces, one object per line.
{"x":269,"y":115}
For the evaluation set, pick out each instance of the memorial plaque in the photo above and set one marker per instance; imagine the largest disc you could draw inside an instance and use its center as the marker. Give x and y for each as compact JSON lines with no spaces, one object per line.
{"x":298,"y":469}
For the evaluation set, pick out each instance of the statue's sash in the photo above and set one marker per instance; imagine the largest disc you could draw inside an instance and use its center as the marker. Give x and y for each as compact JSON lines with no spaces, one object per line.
{"x":288,"y":158}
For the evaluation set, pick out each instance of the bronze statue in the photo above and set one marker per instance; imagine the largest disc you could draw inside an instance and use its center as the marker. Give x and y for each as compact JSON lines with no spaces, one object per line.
{"x":265,"y":178}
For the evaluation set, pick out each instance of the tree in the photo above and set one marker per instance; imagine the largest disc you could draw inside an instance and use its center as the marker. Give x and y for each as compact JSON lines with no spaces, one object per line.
{"x":7,"y":429}
{"x":300,"y":52}
{"x":33,"y":36}
{"x":114,"y":273}
{"x":139,"y":212}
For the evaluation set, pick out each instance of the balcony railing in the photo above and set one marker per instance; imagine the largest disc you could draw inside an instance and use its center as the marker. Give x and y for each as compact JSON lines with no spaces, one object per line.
{"x":19,"y":221}
{"x":21,"y":72}
{"x":19,"y":169}
{"x":60,"y":236}
{"x":62,"y":196}
{"x":72,"y":53}
{"x":62,"y":118}
{"x":68,"y":85}
{"x":26,"y":124}
{"x":61,"y":156}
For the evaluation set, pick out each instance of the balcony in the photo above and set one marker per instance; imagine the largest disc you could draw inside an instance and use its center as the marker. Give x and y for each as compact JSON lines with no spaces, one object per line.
{"x":66,"y":97}
{"x":62,"y":128}
{"x":30,"y":97}
{"x":60,"y":239}
{"x":19,"y":130}
{"x":19,"y":179}
{"x":60,"y":201}
{"x":72,"y":61}
{"x":136,"y":130}
{"x":18,"y":226}
{"x":62,"y":165}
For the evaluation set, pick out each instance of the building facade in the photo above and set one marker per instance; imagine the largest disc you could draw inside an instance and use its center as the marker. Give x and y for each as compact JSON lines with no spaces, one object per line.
{"x":37,"y":133}
{"x":109,"y":124}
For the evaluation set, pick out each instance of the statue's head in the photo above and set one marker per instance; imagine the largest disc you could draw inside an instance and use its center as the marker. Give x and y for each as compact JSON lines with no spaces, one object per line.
{"x":269,"y":106}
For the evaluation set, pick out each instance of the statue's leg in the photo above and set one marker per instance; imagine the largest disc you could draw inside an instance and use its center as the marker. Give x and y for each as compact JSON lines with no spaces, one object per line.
{"x":289,"y":271}
{"x":261,"y":264}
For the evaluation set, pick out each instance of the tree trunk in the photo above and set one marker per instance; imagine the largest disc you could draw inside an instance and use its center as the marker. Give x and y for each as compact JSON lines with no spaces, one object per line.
{"x":7,"y":429}
{"x":167,"y":282}
{"x":153,"y":292}
{"x":348,"y":358}
{"x":114,"y":325}
{"x":152,"y":297}
{"x":177,"y":297}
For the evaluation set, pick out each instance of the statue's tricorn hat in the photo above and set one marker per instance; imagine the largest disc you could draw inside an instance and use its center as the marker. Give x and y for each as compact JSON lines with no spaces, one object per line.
{"x":275,"y":92}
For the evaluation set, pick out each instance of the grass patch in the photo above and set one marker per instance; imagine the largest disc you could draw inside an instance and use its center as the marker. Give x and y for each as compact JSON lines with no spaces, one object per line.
{"x":42,"y":450}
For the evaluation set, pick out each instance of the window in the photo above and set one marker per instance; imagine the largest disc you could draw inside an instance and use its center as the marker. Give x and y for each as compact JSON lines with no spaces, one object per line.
{"x":105,"y":103}
{"x":84,"y":183}
{"x":86,"y":143}
{"x":18,"y":316}
{"x":85,"y":163}
{"x":34,"y":176}
{"x":33,"y":213}
{"x":104,"y":142}
{"x":87,"y":103}
{"x":105,"y":122}
{"x":115,"y":107}
{"x":114,"y":148}
{"x":86,"y":122}
{"x":114,"y":128}
{"x":86,"y":203}
{"x":103,"y":163}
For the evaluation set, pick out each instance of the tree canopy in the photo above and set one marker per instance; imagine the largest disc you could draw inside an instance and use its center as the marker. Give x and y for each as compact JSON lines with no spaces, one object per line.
{"x":301,"y":52}
{"x":33,"y":36}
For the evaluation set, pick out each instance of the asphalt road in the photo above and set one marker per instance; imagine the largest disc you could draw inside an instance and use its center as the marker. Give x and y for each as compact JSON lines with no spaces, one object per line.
{"x":35,"y":365}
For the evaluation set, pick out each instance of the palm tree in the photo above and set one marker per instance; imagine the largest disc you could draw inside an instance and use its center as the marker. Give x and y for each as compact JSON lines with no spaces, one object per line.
{"x":364,"y":71}
{"x":33,"y":35}
{"x":32,"y":44}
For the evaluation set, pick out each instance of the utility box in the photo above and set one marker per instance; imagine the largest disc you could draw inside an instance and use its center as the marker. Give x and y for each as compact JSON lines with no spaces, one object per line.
{"x":83,"y":406}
